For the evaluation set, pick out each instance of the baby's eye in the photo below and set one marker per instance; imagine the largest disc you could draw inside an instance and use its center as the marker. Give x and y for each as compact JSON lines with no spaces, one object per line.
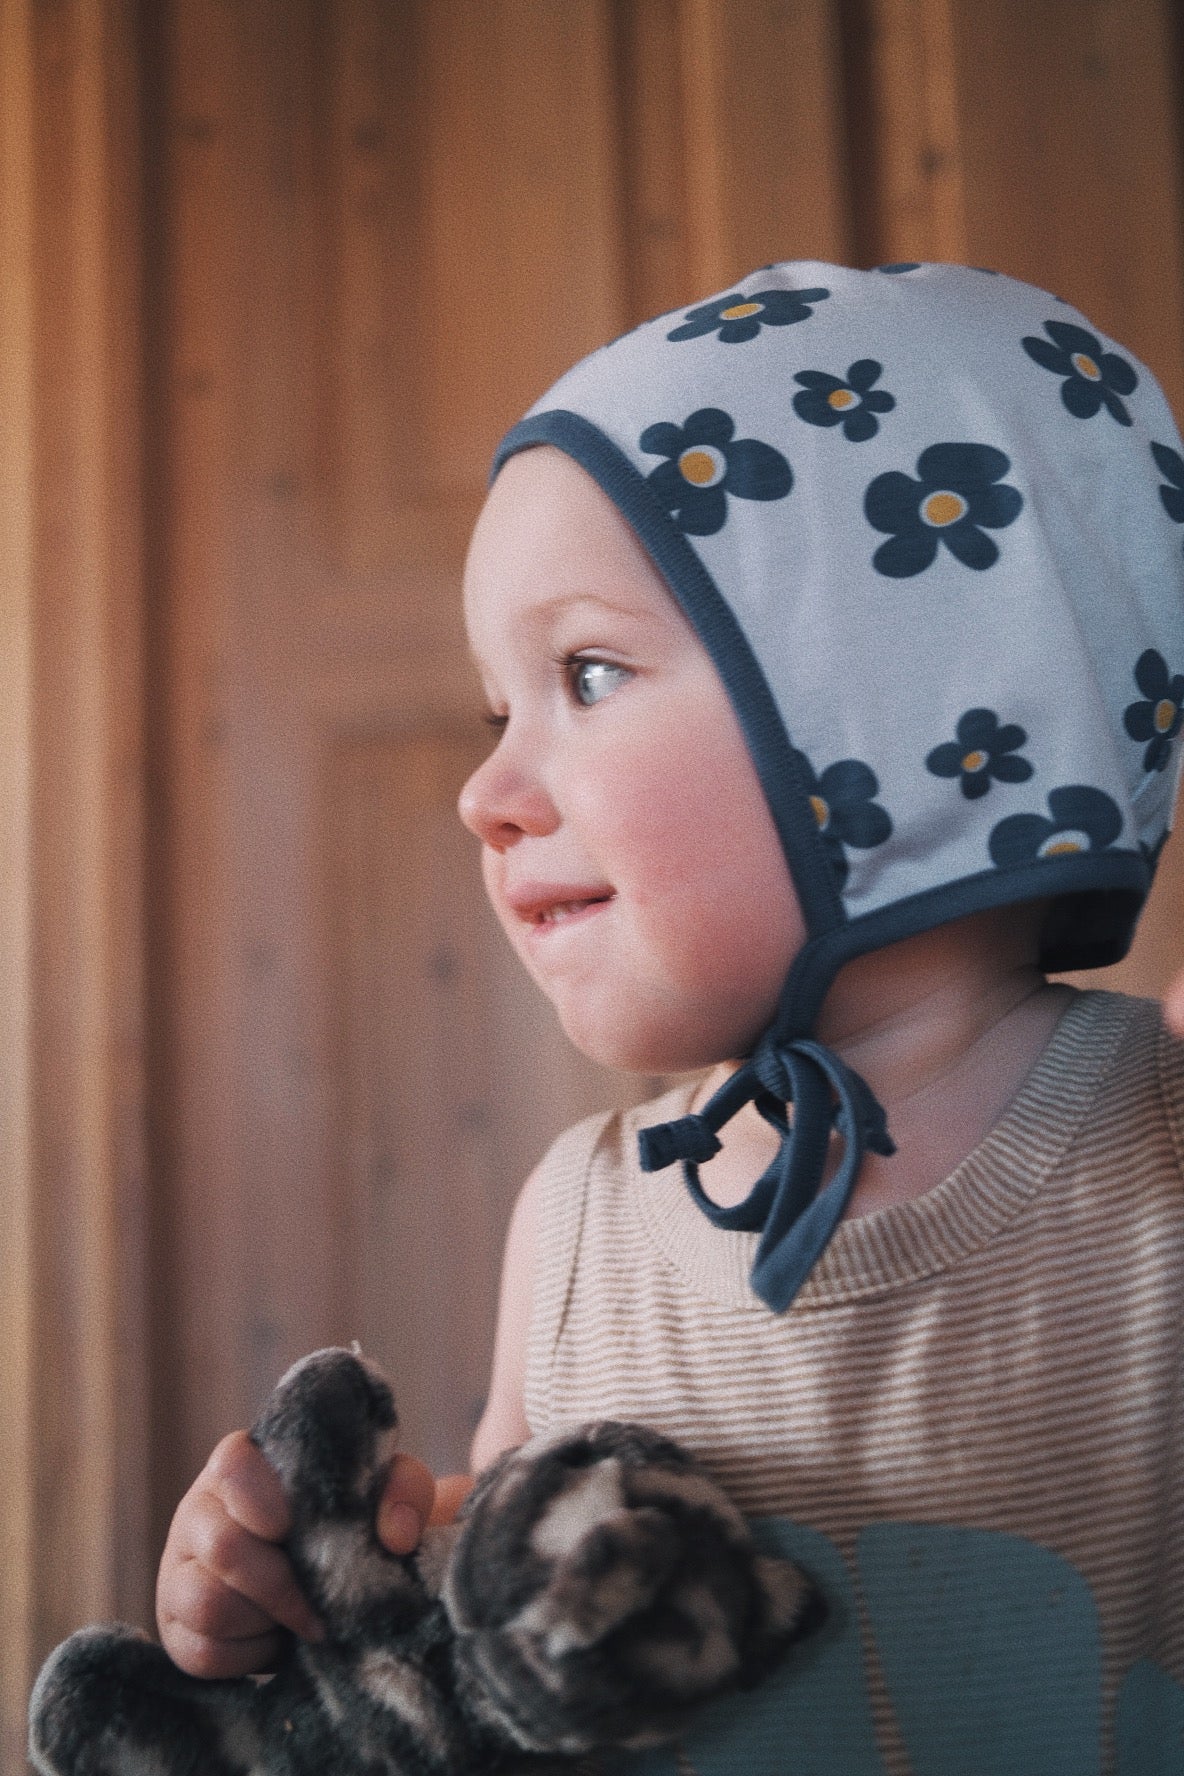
{"x":593,"y":679}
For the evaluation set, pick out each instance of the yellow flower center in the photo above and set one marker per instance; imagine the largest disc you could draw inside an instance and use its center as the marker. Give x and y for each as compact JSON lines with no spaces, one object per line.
{"x":821,"y":811}
{"x":740,"y":311}
{"x":1165,"y":715}
{"x":701,"y":466}
{"x":941,"y":509}
{"x":840,"y":398}
{"x":1061,"y":848}
{"x":974,"y":761}
{"x":1085,"y":366}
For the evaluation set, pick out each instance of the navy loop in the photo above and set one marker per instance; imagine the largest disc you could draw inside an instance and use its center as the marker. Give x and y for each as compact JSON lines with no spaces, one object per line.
{"x":788,"y":1205}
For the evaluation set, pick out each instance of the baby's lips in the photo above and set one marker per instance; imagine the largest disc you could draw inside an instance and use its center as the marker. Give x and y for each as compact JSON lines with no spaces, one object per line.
{"x":533,"y":901}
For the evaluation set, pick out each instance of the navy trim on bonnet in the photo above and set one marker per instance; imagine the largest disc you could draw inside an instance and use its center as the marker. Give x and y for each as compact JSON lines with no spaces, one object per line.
{"x":716,"y":625}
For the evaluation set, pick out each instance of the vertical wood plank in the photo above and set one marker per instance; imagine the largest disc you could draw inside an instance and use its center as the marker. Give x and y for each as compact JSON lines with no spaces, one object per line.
{"x":765,"y":167}
{"x":17,"y":1504}
{"x":908,"y":159}
{"x":72,"y":1179}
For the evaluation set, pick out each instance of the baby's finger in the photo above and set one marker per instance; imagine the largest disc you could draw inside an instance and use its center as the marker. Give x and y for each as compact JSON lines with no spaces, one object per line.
{"x":249,"y":1487}
{"x":202,"y":1657}
{"x":451,"y":1492}
{"x":406,"y":1504}
{"x":239,"y":1584}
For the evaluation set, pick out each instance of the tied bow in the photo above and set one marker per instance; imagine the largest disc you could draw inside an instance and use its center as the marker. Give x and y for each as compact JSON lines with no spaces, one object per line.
{"x":794,"y":1213}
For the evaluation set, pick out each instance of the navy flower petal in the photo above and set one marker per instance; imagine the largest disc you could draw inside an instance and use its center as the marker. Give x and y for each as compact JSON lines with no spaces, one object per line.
{"x":960,"y":465}
{"x":1093,"y":378}
{"x":1082,"y":819}
{"x":1091,"y":810}
{"x":863,"y":373}
{"x":844,"y":808}
{"x":705,"y":463}
{"x":1018,"y":839}
{"x":973,"y":548}
{"x":1083,"y":399}
{"x":1151,"y":673}
{"x":662,"y":439}
{"x":858,"y":427}
{"x":737,"y":317}
{"x":1158,"y":718}
{"x":708,"y":425}
{"x":1171,"y":464}
{"x":849,"y":401}
{"x":903,"y":556}
{"x":984,"y":751}
{"x":757,"y":471}
{"x":1007,"y":768}
{"x":889,"y":497}
{"x":1048,"y":356}
{"x":995,"y":506}
{"x":955,"y":498}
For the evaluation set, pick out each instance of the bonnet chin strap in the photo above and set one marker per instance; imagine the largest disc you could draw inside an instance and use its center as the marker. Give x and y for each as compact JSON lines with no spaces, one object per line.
{"x":794,"y":1215}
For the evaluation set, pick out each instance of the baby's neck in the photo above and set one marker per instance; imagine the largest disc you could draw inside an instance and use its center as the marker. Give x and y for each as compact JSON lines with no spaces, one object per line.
{"x":945,"y":1028}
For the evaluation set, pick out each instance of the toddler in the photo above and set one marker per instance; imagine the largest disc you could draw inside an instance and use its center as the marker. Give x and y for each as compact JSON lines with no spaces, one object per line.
{"x":833,"y":631}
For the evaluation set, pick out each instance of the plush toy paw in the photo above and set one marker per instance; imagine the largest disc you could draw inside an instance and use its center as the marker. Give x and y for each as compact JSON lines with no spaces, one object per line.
{"x":597,"y":1588}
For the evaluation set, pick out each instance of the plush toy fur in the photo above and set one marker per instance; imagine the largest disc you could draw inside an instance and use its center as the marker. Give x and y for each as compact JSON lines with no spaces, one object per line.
{"x":597,"y":1588}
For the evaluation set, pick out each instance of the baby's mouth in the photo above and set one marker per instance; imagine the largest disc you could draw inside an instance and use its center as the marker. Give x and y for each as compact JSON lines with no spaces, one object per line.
{"x":564,"y":910}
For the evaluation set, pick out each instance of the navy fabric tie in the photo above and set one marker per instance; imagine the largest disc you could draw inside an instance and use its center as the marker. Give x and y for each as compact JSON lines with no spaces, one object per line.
{"x":794,"y":1213}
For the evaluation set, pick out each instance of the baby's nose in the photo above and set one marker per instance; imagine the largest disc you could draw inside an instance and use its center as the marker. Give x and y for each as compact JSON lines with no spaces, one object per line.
{"x":501,"y":803}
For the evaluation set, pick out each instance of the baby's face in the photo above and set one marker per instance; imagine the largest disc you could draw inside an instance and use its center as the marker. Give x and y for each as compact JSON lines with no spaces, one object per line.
{"x":627,"y":848}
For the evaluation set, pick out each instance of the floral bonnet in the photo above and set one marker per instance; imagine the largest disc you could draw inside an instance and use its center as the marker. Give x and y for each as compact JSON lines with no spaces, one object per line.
{"x":928,"y":525}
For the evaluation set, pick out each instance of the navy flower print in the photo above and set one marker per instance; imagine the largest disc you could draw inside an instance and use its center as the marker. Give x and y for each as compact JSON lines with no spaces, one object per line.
{"x":957,"y":497}
{"x":1094,"y":377}
{"x":1080,"y":818}
{"x":1158,"y":716}
{"x":705,"y":464}
{"x":900,"y":265}
{"x":1171,"y":464}
{"x":849,"y":401}
{"x":984,"y":749}
{"x":738,"y":317}
{"x":841,"y":800}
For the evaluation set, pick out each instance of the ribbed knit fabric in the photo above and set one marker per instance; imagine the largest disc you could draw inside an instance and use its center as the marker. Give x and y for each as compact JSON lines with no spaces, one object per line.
{"x":1003,"y":1354}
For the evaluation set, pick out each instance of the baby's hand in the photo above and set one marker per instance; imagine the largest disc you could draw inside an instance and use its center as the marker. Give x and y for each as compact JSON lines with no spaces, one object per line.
{"x":225,"y":1593}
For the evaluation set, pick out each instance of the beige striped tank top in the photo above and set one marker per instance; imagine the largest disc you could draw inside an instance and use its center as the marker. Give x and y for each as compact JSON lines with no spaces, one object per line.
{"x":969,"y":1425}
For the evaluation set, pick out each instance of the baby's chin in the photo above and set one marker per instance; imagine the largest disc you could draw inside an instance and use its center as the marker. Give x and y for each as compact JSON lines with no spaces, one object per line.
{"x":633,"y":1045}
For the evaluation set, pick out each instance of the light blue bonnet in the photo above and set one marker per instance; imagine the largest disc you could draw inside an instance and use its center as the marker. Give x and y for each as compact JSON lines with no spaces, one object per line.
{"x":928,"y":523}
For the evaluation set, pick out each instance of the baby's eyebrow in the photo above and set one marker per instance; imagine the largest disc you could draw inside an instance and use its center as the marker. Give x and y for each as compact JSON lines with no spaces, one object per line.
{"x":594,"y":602}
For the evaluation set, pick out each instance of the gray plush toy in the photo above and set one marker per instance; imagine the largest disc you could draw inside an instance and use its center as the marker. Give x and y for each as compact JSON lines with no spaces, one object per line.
{"x":597,"y":1588}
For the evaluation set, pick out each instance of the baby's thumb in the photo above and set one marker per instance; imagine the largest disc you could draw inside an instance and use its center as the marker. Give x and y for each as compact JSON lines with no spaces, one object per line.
{"x":406,"y":1504}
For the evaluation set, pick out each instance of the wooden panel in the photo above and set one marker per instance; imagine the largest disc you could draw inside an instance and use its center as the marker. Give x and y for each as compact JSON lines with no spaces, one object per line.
{"x":72,"y":1382}
{"x":18,"y":1517}
{"x":764,"y":135}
